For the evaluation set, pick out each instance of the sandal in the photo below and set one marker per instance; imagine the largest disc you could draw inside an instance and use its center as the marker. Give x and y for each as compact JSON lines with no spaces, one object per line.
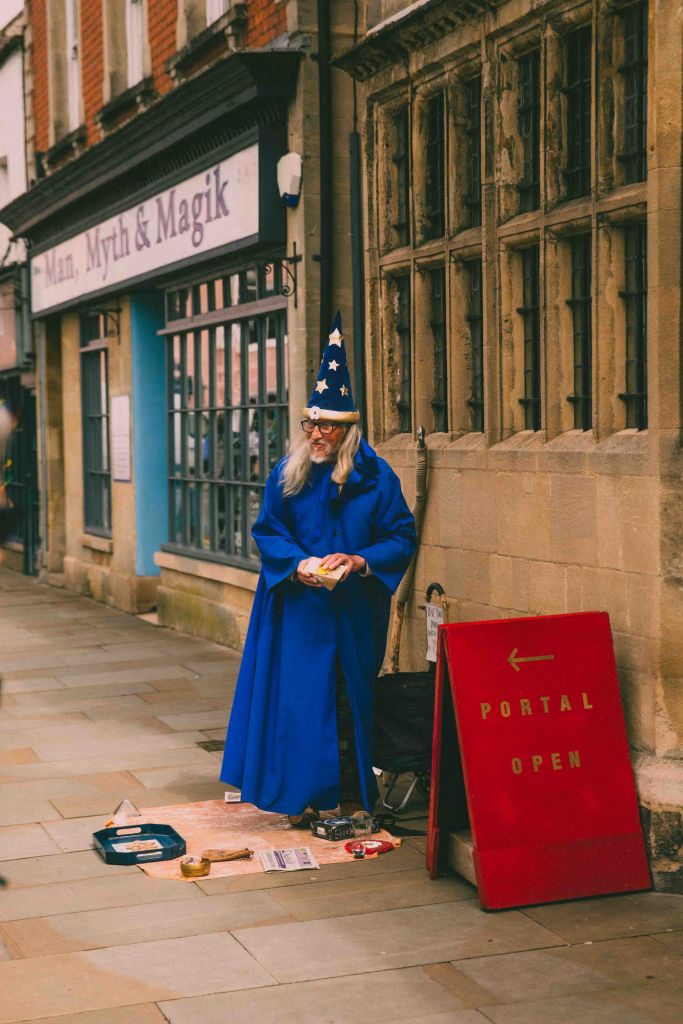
{"x":304,"y":819}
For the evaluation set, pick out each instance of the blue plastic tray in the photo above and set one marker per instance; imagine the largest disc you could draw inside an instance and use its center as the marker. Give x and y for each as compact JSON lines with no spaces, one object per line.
{"x":110,"y":843}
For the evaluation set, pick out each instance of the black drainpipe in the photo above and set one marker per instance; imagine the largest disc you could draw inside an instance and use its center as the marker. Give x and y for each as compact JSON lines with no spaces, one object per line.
{"x":325,"y":114}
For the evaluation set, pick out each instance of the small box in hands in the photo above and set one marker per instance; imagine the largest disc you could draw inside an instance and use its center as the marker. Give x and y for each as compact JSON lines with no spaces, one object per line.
{"x":328,"y":577}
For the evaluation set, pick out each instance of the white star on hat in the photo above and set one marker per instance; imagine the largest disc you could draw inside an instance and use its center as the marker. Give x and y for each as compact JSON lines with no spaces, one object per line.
{"x":335,"y":338}
{"x":333,"y":365}
{"x":344,"y":390}
{"x":321,"y":386}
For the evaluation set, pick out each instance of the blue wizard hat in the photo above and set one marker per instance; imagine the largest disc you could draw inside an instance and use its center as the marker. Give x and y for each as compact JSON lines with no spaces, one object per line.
{"x":331,"y":398}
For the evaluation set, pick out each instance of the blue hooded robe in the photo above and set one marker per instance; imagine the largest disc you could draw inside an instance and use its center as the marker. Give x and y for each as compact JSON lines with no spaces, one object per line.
{"x":281,"y":748}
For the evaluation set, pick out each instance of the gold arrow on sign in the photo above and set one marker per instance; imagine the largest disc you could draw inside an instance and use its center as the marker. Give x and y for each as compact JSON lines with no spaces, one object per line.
{"x":516,"y":662}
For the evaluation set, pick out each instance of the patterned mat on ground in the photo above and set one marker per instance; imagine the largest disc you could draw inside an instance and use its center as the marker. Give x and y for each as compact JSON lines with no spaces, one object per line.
{"x":214,"y":824}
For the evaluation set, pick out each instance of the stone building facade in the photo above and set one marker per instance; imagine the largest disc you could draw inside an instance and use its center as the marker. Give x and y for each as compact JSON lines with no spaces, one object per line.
{"x":522,"y":199}
{"x":176,"y":300}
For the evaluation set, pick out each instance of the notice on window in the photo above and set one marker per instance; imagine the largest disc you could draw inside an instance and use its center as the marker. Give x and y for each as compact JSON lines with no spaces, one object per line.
{"x":299,"y":859}
{"x":120,"y":438}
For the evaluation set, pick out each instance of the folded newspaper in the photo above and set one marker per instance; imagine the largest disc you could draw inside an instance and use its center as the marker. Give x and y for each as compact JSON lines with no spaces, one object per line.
{"x":299,"y":859}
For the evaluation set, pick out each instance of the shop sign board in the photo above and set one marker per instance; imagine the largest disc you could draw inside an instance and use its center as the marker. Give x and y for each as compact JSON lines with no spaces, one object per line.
{"x":211,"y":210}
{"x":529,"y":724}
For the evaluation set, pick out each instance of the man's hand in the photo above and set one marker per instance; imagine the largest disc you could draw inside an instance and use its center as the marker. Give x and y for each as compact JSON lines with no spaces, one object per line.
{"x":352,"y":563}
{"x":305,"y":576}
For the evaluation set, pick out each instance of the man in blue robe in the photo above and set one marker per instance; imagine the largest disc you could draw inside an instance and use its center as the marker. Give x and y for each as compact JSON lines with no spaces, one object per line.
{"x":334,"y":498}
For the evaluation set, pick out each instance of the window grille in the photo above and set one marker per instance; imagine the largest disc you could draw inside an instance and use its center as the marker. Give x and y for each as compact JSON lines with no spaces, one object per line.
{"x":435,"y":175}
{"x":475,"y":319}
{"x":578,"y":93}
{"x":135,"y":31}
{"x":437,"y":280}
{"x":634,"y":74}
{"x":405,"y":402}
{"x":95,"y":410}
{"x":530,"y":313}
{"x":473,"y":134}
{"x":635,"y":303}
{"x":580,"y":304}
{"x":529,"y":118}
{"x":227,"y":389}
{"x":402,"y":172}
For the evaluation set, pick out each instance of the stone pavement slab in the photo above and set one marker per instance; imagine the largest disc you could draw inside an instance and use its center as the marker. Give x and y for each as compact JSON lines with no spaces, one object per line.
{"x":148,"y":1013}
{"x":610,"y":917}
{"x":393,"y":938}
{"x":646,"y":1004}
{"x":61,"y":867}
{"x":25,"y":841}
{"x":400,"y":995}
{"x":362,"y":894}
{"x":125,"y":975}
{"x":91,"y":893}
{"x":117,"y":926}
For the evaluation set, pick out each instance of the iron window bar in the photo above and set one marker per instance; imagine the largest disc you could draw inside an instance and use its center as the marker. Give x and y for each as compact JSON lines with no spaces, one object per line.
{"x":437,"y":325}
{"x":473,"y":133}
{"x":634,"y":296}
{"x":581,"y":307}
{"x":529,"y":119}
{"x":577,"y":173}
{"x":436,"y":167}
{"x":475,"y":320}
{"x":633,"y":157}
{"x":404,"y":404}
{"x":401,"y":162}
{"x":530,"y":313}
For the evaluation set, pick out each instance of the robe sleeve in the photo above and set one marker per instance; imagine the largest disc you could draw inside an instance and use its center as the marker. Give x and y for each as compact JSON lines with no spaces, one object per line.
{"x":280,"y":551}
{"x":394,"y":542}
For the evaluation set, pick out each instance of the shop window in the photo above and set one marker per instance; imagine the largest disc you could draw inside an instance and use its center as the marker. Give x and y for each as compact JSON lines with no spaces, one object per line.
{"x":529,"y":123}
{"x":401,"y":175}
{"x":475,"y":321}
{"x":403,"y":332}
{"x":581,"y":309}
{"x":634,"y":296}
{"x":437,"y":323}
{"x":473,"y":135}
{"x":95,"y":411}
{"x":530,"y":313}
{"x":577,"y":90}
{"x":214,"y":9}
{"x":435,"y":170}
{"x":227,"y":391}
{"x":126,"y":35}
{"x":633,"y":71}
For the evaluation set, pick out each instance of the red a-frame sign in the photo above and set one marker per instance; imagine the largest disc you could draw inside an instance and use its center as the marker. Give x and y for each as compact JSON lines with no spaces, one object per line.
{"x":530,"y":747}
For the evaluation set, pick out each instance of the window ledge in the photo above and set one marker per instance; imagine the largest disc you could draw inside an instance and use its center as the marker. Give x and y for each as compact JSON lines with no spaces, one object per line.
{"x":68,"y":146}
{"x":230,"y":27}
{"x":208,"y":570}
{"x":134,"y":99}
{"x":95,"y":543}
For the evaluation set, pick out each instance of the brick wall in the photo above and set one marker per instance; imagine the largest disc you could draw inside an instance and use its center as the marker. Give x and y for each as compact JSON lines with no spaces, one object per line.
{"x":92,"y":63}
{"x":267,"y":20}
{"x":38,"y":17}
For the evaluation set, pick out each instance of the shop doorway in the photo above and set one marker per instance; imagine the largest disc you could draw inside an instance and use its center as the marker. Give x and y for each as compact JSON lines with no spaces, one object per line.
{"x":22,"y":453}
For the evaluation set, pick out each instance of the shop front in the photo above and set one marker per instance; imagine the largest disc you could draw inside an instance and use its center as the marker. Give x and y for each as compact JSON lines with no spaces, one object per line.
{"x":161,"y":298}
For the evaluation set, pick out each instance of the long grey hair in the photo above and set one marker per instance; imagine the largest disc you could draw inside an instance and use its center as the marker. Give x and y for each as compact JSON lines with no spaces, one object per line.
{"x":297,"y":466}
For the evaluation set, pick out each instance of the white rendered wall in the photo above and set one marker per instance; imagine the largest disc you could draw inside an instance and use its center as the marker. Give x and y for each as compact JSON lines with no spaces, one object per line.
{"x":12,"y":138}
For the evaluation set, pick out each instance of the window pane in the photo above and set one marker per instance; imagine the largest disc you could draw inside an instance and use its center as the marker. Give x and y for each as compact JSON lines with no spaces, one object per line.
{"x":580,"y":304}
{"x":529,"y":114}
{"x":438,"y":327}
{"x":473,"y":134}
{"x":634,"y":76}
{"x":578,"y":93}
{"x":530,"y":312}
{"x":475,"y":321}
{"x":435,"y":171}
{"x":634,"y":296}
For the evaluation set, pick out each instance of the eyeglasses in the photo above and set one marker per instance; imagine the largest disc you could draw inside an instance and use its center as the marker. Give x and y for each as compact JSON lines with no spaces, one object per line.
{"x":308,"y":426}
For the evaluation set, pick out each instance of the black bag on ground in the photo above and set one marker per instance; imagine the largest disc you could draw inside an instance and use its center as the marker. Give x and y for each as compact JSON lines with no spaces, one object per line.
{"x":404,"y":721}
{"x":9,"y":521}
